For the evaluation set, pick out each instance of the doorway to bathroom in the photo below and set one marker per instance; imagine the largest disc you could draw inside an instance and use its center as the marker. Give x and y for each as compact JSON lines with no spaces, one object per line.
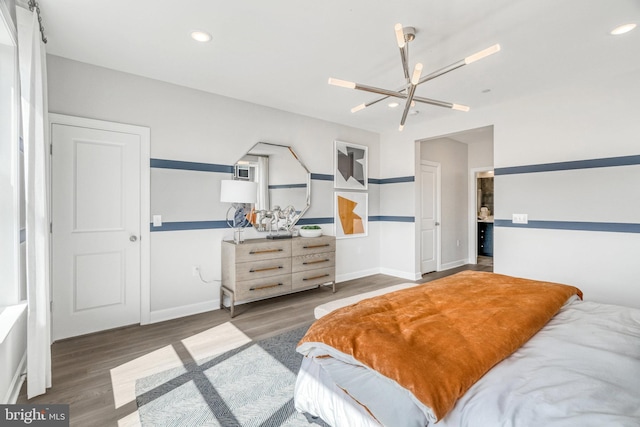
{"x":481,"y":183}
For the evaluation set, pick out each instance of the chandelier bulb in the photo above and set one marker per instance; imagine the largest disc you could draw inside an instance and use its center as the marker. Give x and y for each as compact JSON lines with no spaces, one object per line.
{"x":399,"y":35}
{"x":482,"y":54}
{"x":415,"y":79}
{"x":341,"y":83}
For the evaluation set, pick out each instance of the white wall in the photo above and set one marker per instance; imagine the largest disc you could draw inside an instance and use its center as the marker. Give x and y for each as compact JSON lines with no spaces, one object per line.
{"x":194,"y":126}
{"x":588,"y":119}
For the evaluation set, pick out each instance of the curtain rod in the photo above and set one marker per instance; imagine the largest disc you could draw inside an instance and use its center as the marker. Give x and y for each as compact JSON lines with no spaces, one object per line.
{"x":34,"y":4}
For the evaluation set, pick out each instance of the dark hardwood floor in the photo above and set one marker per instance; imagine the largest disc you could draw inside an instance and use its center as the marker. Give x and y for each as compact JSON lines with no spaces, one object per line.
{"x":81,"y":366}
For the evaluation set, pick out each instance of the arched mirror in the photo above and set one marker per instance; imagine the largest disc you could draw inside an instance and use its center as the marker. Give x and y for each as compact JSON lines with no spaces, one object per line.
{"x":284,"y":186}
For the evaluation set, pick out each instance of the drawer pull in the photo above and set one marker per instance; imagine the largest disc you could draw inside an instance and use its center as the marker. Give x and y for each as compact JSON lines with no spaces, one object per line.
{"x":265,"y":269}
{"x":315,"y":277}
{"x":315,"y":262}
{"x":266,"y":251}
{"x":259,"y":288}
{"x":316,"y":246}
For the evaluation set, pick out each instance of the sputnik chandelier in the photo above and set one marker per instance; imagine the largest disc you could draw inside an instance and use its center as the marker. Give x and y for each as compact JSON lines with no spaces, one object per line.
{"x":404,"y":35}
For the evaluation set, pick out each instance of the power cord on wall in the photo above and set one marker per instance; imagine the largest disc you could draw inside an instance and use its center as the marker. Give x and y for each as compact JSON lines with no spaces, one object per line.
{"x":202,"y":279}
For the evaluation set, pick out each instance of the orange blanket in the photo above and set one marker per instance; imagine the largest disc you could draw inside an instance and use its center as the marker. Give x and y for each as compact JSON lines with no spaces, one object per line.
{"x":438,"y":339}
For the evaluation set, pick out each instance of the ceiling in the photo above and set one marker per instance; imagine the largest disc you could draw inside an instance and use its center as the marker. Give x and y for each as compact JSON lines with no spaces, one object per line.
{"x":280,"y":53}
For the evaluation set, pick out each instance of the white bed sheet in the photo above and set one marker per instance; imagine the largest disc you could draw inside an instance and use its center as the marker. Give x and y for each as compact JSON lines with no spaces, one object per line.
{"x":582,"y":369}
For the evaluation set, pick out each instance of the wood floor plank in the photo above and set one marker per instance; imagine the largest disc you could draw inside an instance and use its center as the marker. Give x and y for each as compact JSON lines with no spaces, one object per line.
{"x":81,"y":366}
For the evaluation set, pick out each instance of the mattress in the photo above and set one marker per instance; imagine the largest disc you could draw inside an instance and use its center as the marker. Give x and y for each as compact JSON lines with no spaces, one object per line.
{"x":581,"y":369}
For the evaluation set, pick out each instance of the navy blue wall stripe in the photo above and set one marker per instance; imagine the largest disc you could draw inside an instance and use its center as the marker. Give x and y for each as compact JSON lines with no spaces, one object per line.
{"x":578,"y":164}
{"x":189,"y":225}
{"x":321,"y":177}
{"x":191,"y":166}
{"x":391,"y":218}
{"x":209,"y":225}
{"x":395,"y":180}
{"x":615,"y":227}
{"x":212,"y":167}
{"x":276,"y":187}
{"x":314,"y":221}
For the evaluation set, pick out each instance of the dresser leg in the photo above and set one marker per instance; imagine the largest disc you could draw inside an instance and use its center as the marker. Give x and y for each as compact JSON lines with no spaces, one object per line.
{"x":232,"y":300}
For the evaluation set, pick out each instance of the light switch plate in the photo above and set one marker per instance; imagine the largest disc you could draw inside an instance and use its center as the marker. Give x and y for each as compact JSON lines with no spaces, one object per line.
{"x":520,"y":219}
{"x":157,"y":220}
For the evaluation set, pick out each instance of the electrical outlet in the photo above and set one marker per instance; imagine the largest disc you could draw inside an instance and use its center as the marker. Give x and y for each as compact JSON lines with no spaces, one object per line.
{"x":157,"y":220}
{"x":520,"y":219}
{"x":195,"y":270}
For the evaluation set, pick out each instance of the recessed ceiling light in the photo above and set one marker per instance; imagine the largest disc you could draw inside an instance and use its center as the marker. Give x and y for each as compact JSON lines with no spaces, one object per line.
{"x":201,"y":36}
{"x":393,"y":104}
{"x":623,"y":29}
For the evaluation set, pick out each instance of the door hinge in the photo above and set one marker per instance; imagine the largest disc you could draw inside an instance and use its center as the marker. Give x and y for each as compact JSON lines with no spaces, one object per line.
{"x":51,"y":149}
{"x":51,"y":228}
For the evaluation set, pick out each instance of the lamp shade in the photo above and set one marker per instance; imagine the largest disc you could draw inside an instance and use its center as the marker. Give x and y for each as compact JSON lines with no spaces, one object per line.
{"x":233,"y":191}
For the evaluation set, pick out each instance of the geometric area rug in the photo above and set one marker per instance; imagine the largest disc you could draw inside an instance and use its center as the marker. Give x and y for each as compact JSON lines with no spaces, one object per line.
{"x":251,"y":385}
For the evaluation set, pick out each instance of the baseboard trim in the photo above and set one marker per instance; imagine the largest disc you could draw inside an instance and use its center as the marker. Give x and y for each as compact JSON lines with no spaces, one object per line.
{"x":454,"y":264}
{"x":402,"y":274}
{"x":16,"y":382}
{"x":356,"y":275}
{"x":182,"y":311}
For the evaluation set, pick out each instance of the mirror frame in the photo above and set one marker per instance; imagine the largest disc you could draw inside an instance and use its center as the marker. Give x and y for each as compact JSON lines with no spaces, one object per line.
{"x":294,"y":220}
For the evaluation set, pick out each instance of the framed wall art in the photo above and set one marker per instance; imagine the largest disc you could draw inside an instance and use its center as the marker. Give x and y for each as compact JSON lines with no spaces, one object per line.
{"x":351,"y":214}
{"x":351,"y":166}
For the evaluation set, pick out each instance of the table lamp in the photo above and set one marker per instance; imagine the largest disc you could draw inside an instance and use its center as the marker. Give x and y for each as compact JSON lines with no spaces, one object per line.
{"x":238,"y":193}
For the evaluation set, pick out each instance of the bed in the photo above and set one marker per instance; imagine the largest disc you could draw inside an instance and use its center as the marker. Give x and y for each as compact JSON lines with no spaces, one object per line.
{"x":473,"y":349}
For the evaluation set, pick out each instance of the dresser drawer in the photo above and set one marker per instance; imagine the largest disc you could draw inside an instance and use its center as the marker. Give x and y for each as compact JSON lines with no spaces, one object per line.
{"x":263,"y":287}
{"x":305,"y":279}
{"x":313,"y":261}
{"x":265,"y":249}
{"x":313,"y":245}
{"x":259,"y":269}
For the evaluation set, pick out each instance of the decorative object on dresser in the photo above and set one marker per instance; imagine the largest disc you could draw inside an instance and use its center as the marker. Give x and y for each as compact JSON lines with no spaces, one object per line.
{"x":264,"y":268}
{"x":310,"y":231}
{"x":239,"y":193}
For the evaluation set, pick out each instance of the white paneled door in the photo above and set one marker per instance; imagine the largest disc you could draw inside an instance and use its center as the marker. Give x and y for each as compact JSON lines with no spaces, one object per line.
{"x":96,"y":251}
{"x":429,"y":245}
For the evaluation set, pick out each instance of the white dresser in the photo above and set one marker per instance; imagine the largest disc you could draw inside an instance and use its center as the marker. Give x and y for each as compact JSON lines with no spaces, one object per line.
{"x":263,"y":268}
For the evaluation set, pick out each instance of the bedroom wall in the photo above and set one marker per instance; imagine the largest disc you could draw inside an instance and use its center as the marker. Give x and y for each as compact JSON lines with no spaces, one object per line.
{"x":583,"y":120}
{"x":195,"y":138}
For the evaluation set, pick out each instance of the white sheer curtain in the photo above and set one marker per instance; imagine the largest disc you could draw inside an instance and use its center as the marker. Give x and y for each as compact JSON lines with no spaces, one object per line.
{"x":33,"y":88}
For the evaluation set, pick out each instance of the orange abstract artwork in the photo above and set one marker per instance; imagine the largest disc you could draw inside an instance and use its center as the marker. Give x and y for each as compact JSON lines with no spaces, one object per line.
{"x":351,"y":222}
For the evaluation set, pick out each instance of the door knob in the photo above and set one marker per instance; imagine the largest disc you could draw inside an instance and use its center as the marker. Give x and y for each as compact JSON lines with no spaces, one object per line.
{"x":133,"y":238}
{"x":437,"y":223}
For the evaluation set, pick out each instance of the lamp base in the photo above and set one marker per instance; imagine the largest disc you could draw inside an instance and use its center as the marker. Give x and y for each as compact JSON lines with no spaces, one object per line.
{"x":237,"y":236}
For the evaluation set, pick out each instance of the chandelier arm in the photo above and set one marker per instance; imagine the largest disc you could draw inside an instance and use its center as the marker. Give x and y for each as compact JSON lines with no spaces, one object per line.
{"x":404,"y":57}
{"x":443,"y":71}
{"x":433,"y":102}
{"x":407,"y":105}
{"x":380,"y":91}
{"x":375,"y":101}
